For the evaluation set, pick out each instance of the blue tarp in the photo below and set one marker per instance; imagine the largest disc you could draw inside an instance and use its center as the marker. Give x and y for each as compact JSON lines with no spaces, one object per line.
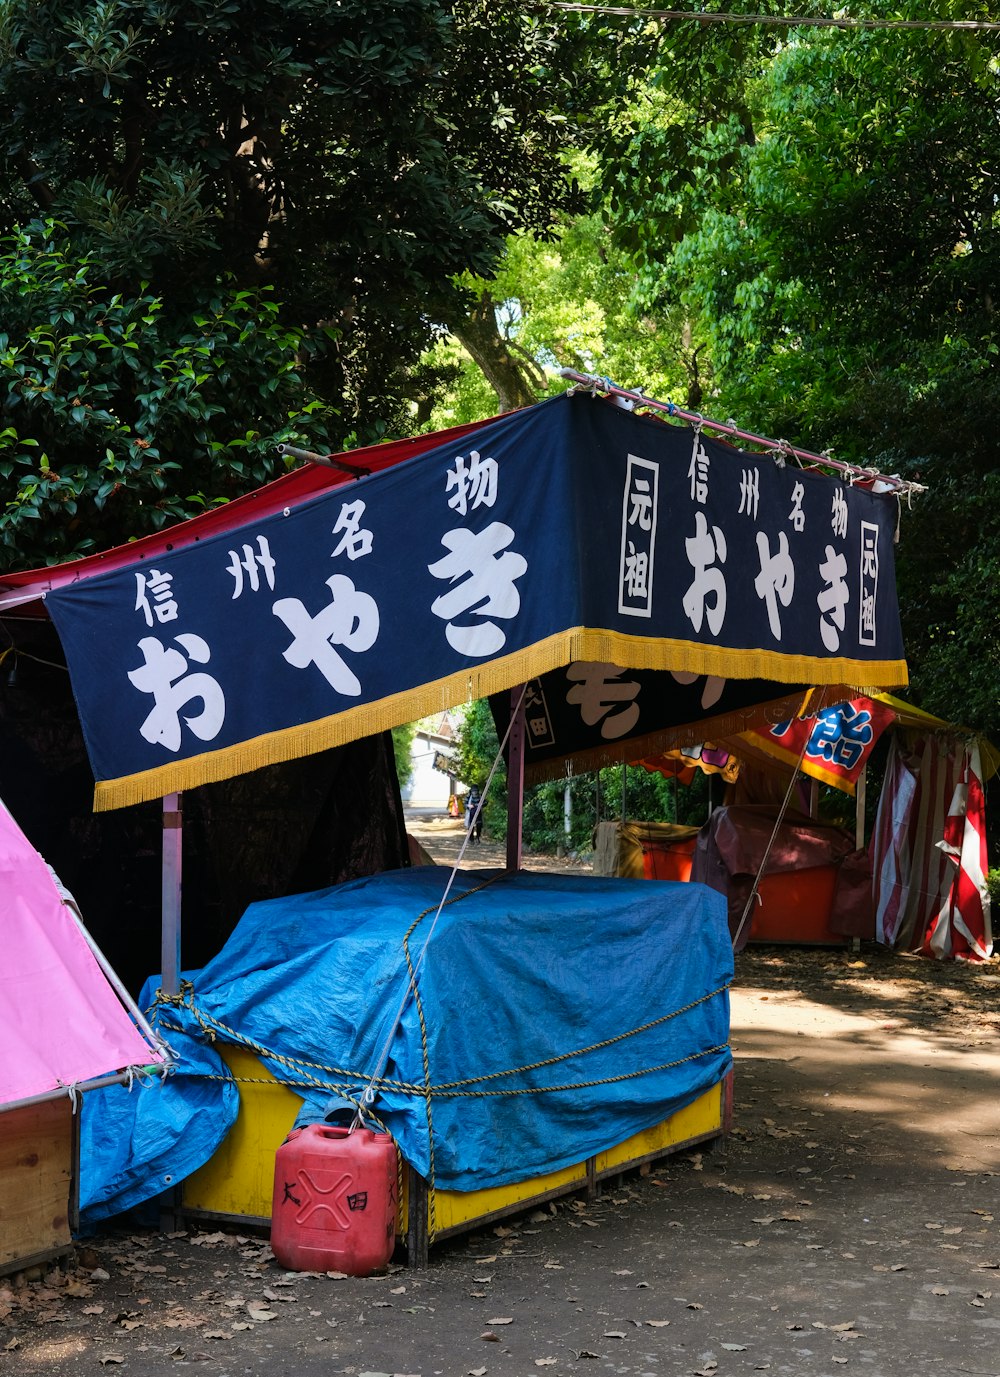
{"x":546,"y":1005}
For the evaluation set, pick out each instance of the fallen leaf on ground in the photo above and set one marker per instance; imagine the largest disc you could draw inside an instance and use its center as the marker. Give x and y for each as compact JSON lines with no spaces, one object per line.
{"x":657,"y":1324}
{"x":508,"y":1320}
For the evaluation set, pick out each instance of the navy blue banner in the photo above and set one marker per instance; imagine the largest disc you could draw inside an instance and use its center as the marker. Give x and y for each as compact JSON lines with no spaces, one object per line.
{"x":584,"y":715}
{"x":573,"y":531}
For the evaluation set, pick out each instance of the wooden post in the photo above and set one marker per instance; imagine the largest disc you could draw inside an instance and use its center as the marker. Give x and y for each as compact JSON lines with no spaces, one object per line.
{"x":515,"y":781}
{"x":170,"y":921}
{"x":417,"y":1240}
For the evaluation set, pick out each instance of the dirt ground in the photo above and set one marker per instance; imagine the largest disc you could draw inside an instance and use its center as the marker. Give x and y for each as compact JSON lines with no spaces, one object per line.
{"x":848,"y":1225}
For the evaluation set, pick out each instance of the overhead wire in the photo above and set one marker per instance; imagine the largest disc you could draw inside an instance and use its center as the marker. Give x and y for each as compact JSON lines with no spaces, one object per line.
{"x":792,"y":21}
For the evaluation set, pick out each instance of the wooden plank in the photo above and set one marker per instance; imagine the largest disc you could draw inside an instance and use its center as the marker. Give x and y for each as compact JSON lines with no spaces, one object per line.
{"x":36,"y":1181}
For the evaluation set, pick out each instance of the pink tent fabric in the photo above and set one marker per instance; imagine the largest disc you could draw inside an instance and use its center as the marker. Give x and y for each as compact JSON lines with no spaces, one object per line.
{"x":61,"y":1022}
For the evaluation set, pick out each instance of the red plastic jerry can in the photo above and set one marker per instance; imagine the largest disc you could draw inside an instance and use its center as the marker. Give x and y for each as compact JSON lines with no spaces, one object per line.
{"x":334,"y":1205}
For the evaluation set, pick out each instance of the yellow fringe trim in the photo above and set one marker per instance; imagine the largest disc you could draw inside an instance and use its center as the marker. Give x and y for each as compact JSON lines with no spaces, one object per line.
{"x":496,"y":676}
{"x":814,"y":769}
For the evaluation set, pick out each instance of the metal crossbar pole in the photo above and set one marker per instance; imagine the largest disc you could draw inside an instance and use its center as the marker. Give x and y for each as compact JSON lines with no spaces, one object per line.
{"x":852,"y":472}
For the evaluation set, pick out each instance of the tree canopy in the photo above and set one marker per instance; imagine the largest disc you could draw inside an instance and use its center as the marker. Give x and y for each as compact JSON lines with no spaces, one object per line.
{"x":231,"y":224}
{"x":836,"y":244}
{"x":805,"y":221}
{"x":329,"y":170}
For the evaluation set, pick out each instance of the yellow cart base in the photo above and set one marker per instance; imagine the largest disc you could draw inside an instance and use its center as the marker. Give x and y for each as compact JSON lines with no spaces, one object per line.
{"x":235,"y":1186}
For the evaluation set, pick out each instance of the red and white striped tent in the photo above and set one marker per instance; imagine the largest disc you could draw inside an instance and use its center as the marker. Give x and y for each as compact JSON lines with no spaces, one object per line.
{"x":929,"y":856}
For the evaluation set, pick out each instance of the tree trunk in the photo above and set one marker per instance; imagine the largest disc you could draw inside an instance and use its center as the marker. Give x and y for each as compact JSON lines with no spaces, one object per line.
{"x":516,"y":382}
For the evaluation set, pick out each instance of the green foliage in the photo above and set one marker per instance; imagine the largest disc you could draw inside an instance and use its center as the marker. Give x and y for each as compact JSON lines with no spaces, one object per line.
{"x":354,"y":157}
{"x":567,"y":302}
{"x":402,"y":741}
{"x":595,"y":797}
{"x":119,"y":414}
{"x":821,"y":206}
{"x":476,"y":748}
{"x":598,"y":796}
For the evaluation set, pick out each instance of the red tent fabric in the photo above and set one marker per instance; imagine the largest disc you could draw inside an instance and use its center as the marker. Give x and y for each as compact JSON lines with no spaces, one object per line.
{"x":289,"y":491}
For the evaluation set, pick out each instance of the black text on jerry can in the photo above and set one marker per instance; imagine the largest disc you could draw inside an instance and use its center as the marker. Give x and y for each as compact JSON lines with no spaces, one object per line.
{"x":334,"y":1206}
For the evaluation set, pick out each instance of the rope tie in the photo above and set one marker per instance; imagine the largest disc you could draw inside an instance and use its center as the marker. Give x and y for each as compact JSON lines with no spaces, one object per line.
{"x":469,"y":1088}
{"x":444,"y":1090}
{"x":72,"y":1089}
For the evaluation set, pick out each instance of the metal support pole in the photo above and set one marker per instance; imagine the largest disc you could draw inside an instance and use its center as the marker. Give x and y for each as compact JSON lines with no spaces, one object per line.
{"x":860,"y":802}
{"x":170,"y":923}
{"x":515,"y":781}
